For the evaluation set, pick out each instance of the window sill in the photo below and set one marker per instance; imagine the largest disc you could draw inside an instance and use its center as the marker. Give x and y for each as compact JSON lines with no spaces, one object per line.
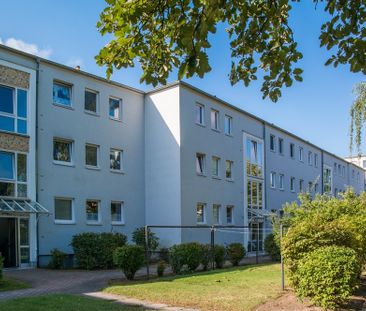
{"x":91,"y":113}
{"x":115,"y":223}
{"x":63,"y":163}
{"x":229,"y":135}
{"x":117,"y":171}
{"x":64,"y":222}
{"x":201,"y":174}
{"x":115,"y":119}
{"x":93,"y":168}
{"x":216,"y":177}
{"x":64,"y":106}
{"x":282,"y":189}
{"x":216,"y":130}
{"x":229,"y":179}
{"x":14,"y":133}
{"x":200,"y":124}
{"x":99,"y":223}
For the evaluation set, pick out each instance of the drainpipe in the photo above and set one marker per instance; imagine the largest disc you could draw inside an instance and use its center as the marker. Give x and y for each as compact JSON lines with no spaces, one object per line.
{"x":36,"y":156}
{"x":321,"y":170}
{"x":264,"y":180}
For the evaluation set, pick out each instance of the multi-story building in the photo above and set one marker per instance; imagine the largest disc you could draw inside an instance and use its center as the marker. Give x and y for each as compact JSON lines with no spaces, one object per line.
{"x":80,"y":153}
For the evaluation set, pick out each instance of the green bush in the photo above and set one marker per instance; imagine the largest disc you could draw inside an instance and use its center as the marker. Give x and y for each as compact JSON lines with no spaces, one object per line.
{"x":206,"y":256}
{"x":1,"y":266}
{"x":235,"y":253}
{"x":328,"y":275}
{"x":164,"y":254}
{"x":129,"y":258}
{"x":95,"y":250}
{"x":272,"y":247}
{"x":189,"y":254}
{"x":161,"y":268}
{"x":57,"y":259}
{"x":220,"y":253}
{"x":138,"y":237}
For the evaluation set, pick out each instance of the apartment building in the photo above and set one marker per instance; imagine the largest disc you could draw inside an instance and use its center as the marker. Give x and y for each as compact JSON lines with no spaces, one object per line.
{"x":79,"y":153}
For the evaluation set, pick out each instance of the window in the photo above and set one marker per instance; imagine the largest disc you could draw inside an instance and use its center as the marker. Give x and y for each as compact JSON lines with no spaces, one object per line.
{"x":339,"y":170}
{"x":229,"y":169}
{"x":280,"y":145}
{"x":228,"y":125}
{"x":273,"y":180}
{"x":200,"y":163}
{"x":254,"y":158}
{"x":92,"y":211}
{"x":229,"y":214}
{"x":301,"y":154}
{"x":117,"y":212}
{"x":353,"y":173}
{"x":91,"y":101}
{"x":214,"y":119}
{"x":335,"y":168}
{"x":315,"y":160}
{"x":13,"y":110}
{"x":115,"y":157}
{"x":62,"y":150}
{"x":200,"y":211}
{"x":115,"y":107}
{"x":61,"y":94}
{"x":216,"y":214}
{"x":316,"y":187}
{"x":64,"y":212}
{"x":282,"y":181}
{"x":301,"y":185}
{"x":91,"y":155}
{"x":13,"y":174}
{"x":327,"y":180}
{"x":292,"y":184}
{"x":343,"y":171}
{"x":310,"y":158}
{"x":200,"y":114}
{"x":272,"y":143}
{"x":310,"y":187}
{"x":292,"y":151}
{"x":215,"y":166}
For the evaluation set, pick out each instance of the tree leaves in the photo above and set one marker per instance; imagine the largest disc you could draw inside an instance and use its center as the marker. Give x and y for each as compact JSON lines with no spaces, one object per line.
{"x":163,"y":35}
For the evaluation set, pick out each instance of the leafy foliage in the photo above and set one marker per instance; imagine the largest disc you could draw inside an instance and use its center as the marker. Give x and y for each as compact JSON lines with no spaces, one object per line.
{"x":358,"y":116}
{"x":95,"y":250}
{"x":235,"y":253}
{"x":272,"y":247}
{"x":206,"y":255}
{"x":138,"y":237}
{"x":129,"y":258}
{"x":220,"y":253}
{"x":161,"y":268}
{"x":57,"y":259}
{"x":189,"y":254}
{"x":1,"y":266}
{"x":328,"y":275}
{"x":167,"y":35}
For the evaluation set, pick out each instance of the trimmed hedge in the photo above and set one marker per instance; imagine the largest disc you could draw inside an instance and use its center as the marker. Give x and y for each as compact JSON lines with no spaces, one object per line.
{"x":272,"y":248}
{"x":328,"y":275}
{"x":206,"y":256}
{"x":95,"y":250}
{"x":129,"y":258}
{"x":57,"y":260}
{"x":189,"y":254}
{"x":220,"y":253}
{"x":235,"y":253}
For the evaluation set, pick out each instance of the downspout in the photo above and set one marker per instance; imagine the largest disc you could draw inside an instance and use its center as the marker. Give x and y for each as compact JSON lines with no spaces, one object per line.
{"x":321,"y":171}
{"x":36,"y":155}
{"x":265,"y":164}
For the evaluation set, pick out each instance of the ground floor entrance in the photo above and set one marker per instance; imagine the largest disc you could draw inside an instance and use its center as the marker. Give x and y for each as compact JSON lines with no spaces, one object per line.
{"x":14,"y":241}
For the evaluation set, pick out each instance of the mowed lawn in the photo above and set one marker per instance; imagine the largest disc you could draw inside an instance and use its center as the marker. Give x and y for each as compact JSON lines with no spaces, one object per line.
{"x":234,"y":289}
{"x":7,"y":284}
{"x":63,"y":303}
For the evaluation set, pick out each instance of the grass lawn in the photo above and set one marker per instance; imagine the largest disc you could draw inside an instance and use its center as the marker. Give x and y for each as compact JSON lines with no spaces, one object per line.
{"x":7,"y":284}
{"x":234,"y":289}
{"x":63,"y":303}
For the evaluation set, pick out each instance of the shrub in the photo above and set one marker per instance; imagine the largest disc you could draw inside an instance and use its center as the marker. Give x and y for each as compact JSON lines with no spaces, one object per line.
{"x":1,"y":266}
{"x":272,"y":248}
{"x":328,"y":275}
{"x":164,"y":254}
{"x":219,"y":252}
{"x":95,"y":250}
{"x":129,"y":258}
{"x":206,"y":256}
{"x":138,"y":237}
{"x":57,"y":260}
{"x":161,"y":268}
{"x":189,"y":254}
{"x":235,"y":253}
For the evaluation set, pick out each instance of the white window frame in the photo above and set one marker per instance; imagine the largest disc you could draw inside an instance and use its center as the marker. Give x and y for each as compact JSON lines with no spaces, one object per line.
{"x":215,"y":120}
{"x":292,"y":151}
{"x":292,"y":184}
{"x":215,"y":161}
{"x":310,"y":158}
{"x":200,"y":114}
{"x":301,"y":154}
{"x":218,"y":214}
{"x":114,"y":170}
{"x":272,"y":180}
{"x":120,"y":115}
{"x":301,"y":185}
{"x":98,"y":156}
{"x":66,"y":84}
{"x":122,"y":221}
{"x":228,"y":125}
{"x":63,"y":221}
{"x":96,"y":113}
{"x":203,"y":211}
{"x":93,"y":222}
{"x":315,"y":159}
{"x":231,"y":164}
{"x":64,"y":140}
{"x":231,"y":207}
{"x":281,"y":181}
{"x":272,"y":138}
{"x":203,"y":171}
{"x":280,"y":145}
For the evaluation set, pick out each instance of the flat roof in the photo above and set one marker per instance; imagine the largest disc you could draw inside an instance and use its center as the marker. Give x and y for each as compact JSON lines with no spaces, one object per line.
{"x":171,"y":85}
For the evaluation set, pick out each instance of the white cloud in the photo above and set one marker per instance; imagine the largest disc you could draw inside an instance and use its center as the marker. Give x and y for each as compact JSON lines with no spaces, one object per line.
{"x":27,"y":47}
{"x":73,"y":62}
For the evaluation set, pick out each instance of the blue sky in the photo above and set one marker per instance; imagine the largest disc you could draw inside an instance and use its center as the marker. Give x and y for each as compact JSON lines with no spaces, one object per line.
{"x":316,"y":109}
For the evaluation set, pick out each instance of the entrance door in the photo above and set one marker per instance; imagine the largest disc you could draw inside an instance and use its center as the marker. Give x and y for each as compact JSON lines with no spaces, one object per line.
{"x":8,"y":246}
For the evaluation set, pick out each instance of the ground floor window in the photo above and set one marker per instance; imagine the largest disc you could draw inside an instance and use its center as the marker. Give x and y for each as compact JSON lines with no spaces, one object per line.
{"x":229,"y":215}
{"x":117,"y":212}
{"x":201,"y":215}
{"x":216,"y":214}
{"x":92,"y":211}
{"x":64,"y":210}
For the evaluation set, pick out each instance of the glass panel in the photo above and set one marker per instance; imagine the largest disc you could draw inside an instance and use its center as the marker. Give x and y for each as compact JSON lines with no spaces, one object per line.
{"x":22,"y":126}
{"x":7,"y":189}
{"x":116,"y":211}
{"x":92,"y":208}
{"x":216,"y":213}
{"x":22,"y":167}
{"x":22,"y":191}
{"x":24,"y":232}
{"x":62,"y":151}
{"x":24,"y":254}
{"x":200,"y":213}
{"x":90,"y":101}
{"x":115,"y":160}
{"x":4,"y":207}
{"x":6,"y":165}
{"x":6,"y":99}
{"x":229,"y":214}
{"x":254,"y":194}
{"x":249,"y":194}
{"x":63,"y":209}
{"x":7,"y":124}
{"x":22,"y":103}
{"x":91,"y":155}
{"x":62,"y":94}
{"x":114,"y":108}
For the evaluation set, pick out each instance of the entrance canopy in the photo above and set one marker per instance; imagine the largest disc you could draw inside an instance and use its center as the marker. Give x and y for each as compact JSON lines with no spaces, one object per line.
{"x":14,"y":206}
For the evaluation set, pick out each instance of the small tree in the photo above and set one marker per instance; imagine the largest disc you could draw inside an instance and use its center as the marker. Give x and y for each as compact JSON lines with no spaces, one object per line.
{"x":272,"y":247}
{"x":235,"y":253}
{"x":129,"y":258}
{"x":138,"y":237}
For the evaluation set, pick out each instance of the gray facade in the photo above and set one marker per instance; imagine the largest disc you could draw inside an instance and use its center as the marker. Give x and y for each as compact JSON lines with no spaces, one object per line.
{"x":184,"y":158}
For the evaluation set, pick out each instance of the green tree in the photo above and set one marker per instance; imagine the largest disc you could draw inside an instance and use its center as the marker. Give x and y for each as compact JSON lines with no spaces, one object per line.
{"x":163,"y":35}
{"x":358,"y":116}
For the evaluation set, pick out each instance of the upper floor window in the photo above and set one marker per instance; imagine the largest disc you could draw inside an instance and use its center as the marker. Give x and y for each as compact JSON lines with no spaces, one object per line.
{"x":201,"y":213}
{"x":254,"y":158}
{"x":200,"y":163}
{"x":115,"y":108}
{"x":292,"y":184}
{"x":301,"y":154}
{"x":200,"y":114}
{"x":335,"y":168}
{"x":301,"y":185}
{"x":292,"y":150}
{"x":215,"y":166}
{"x":315,"y":160}
{"x":62,"y":94}
{"x":327,"y":180}
{"x":282,"y":182}
{"x":343,"y":171}
{"x":214,"y":119}
{"x":229,"y":169}
{"x":273,"y":180}
{"x":62,"y":150}
{"x":310,"y":158}
{"x":115,"y":157}
{"x":228,"y":125}
{"x":91,"y":155}
{"x":91,"y":101}
{"x":272,"y":143}
{"x":339,"y":170}
{"x":280,"y":145}
{"x":13,"y":110}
